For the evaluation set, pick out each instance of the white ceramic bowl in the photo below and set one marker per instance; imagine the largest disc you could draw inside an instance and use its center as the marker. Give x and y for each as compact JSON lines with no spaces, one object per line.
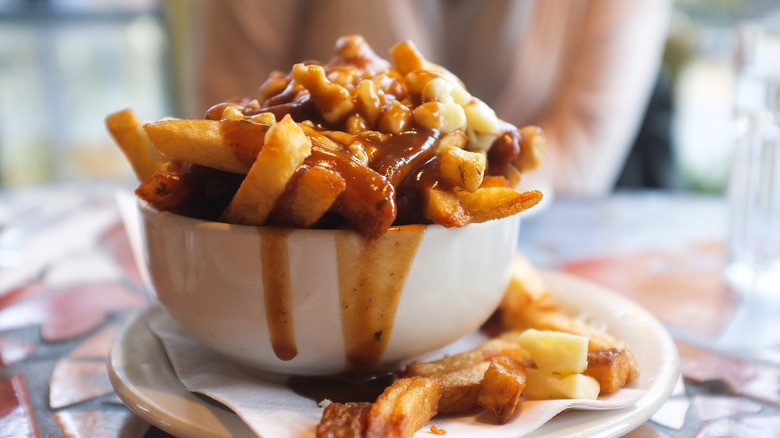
{"x":329,"y":294}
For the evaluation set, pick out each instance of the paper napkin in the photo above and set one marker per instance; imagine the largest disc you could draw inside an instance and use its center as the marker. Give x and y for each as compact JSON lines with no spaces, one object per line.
{"x":273,"y":411}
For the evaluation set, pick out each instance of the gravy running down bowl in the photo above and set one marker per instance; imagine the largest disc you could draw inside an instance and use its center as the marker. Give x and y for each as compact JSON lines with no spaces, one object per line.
{"x":325,"y":301}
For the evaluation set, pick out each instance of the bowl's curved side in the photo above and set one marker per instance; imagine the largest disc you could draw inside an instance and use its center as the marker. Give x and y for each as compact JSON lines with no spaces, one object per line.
{"x":209,"y":277}
{"x":452,"y":292}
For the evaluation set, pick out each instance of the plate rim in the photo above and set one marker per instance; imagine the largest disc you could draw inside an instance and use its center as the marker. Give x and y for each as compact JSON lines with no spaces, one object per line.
{"x":149,"y":402}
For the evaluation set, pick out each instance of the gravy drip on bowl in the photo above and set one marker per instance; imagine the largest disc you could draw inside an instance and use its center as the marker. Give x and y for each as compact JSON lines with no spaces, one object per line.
{"x":278,"y":296}
{"x":368,"y":295}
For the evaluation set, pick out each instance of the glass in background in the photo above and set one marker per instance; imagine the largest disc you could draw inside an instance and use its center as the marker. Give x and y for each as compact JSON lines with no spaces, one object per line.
{"x":753,"y":266}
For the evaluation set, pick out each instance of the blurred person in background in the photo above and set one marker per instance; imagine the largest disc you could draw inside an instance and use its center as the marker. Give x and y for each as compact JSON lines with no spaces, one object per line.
{"x":583,"y":70}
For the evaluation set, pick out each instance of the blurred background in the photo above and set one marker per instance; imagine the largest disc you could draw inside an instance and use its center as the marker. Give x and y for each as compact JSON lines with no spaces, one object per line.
{"x":66,"y":64}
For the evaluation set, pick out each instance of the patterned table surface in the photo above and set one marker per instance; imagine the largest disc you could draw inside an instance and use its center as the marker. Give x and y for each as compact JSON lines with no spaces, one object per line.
{"x":68,"y":280}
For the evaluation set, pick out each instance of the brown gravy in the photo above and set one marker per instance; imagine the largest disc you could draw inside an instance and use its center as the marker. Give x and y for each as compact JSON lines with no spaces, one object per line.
{"x":342,"y":388}
{"x":278,"y":296}
{"x":371,"y":276}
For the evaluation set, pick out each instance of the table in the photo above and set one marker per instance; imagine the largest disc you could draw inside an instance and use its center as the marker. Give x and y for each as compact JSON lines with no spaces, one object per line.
{"x":68,"y":281}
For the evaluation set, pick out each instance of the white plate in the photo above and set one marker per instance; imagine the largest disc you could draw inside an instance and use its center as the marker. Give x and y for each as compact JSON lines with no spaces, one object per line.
{"x":143,"y":377}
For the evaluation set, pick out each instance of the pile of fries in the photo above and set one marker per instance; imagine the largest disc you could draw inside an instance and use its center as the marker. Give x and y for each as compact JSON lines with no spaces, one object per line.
{"x":496,"y":375}
{"x":356,"y":142}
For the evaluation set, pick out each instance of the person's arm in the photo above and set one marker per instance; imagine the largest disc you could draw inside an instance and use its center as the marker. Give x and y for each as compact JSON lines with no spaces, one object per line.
{"x":604,"y":88}
{"x":243,"y":42}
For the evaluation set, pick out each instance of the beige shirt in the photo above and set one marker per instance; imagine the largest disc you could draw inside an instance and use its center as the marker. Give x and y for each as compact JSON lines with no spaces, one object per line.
{"x":580,"y":69}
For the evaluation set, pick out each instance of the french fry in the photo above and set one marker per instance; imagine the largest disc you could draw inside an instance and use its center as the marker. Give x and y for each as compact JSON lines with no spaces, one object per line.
{"x":527,"y":305}
{"x":285,"y":148}
{"x":404,"y":407}
{"x":482,"y":353}
{"x":165,"y":189}
{"x":443,"y":207}
{"x":124,"y":127}
{"x":366,"y":199}
{"x":502,"y":387}
{"x":486,"y":204}
{"x":460,"y":388}
{"x":343,"y":420}
{"x":210,"y":143}
{"x":613,"y":368}
{"x":462,"y":168}
{"x":315,"y":192}
{"x":494,"y":181}
{"x":461,"y":374}
{"x":526,"y":290}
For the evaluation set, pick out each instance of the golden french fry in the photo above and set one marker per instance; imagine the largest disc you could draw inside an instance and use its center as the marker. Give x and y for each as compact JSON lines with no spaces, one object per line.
{"x":229,"y":145}
{"x":526,"y":291}
{"x":404,"y":407}
{"x":285,"y":148}
{"x":495,"y":181}
{"x":541,"y":318}
{"x":165,"y":189}
{"x":343,"y":420}
{"x":443,"y":207}
{"x":460,"y":388}
{"x":483,"y":353}
{"x":613,"y":368}
{"x":366,"y":201}
{"x":527,"y":305}
{"x":533,"y":147}
{"x":124,"y":128}
{"x":462,"y":168}
{"x":461,"y":374}
{"x":315,"y":191}
{"x":501,"y":388}
{"x":488,"y":203}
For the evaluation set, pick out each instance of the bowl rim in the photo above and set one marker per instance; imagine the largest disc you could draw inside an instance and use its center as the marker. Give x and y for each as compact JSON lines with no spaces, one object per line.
{"x":146,"y":208}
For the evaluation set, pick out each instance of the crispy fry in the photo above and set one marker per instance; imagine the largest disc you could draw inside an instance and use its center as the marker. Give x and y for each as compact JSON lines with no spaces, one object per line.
{"x":461,"y":374}
{"x":613,"y":368}
{"x":443,"y":207}
{"x":314,"y":193}
{"x":550,"y":319}
{"x":486,"y":204}
{"x":343,"y":420}
{"x":365,"y":199}
{"x":404,"y":407}
{"x":124,"y":127}
{"x":165,"y":190}
{"x":495,"y":181}
{"x":209,"y":143}
{"x":527,"y":305}
{"x":483,"y":353}
{"x":286,"y":146}
{"x":460,"y":388}
{"x":502,"y":386}
{"x":462,"y":168}
{"x":525,"y":292}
